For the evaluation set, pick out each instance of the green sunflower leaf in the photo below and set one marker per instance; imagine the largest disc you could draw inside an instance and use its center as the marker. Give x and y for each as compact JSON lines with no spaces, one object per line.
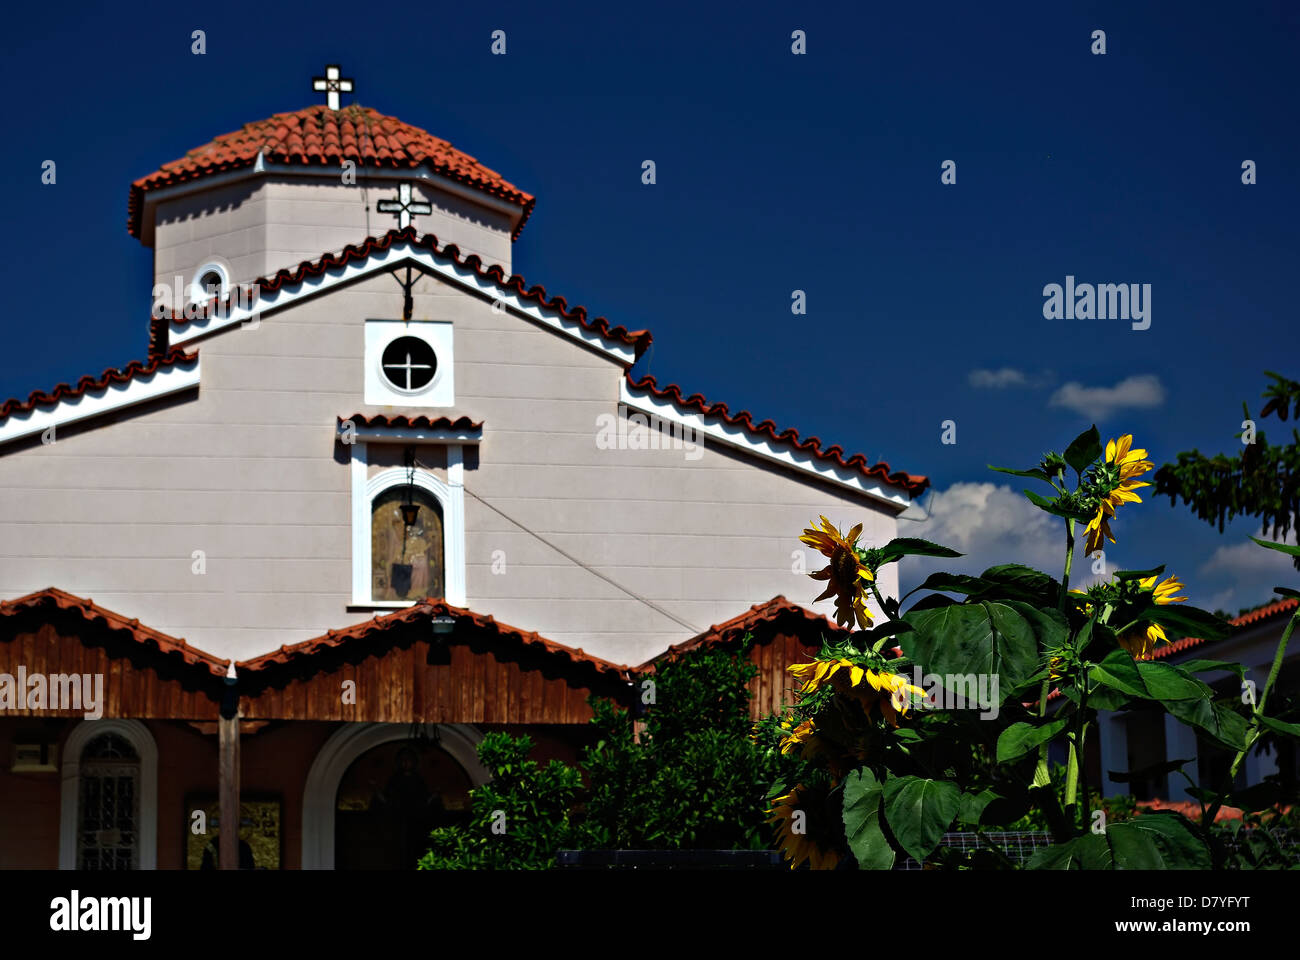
{"x":954,"y":583}
{"x":1152,"y":770}
{"x":862,"y":797}
{"x":918,"y":812}
{"x":1287,"y":548}
{"x":1204,"y":666}
{"x":1052,"y":507}
{"x":1218,"y":720}
{"x":1089,"y":852}
{"x":1020,"y":738}
{"x":1084,"y":450}
{"x":1034,"y":474}
{"x":1279,"y":726}
{"x":1034,"y":584}
{"x":1151,"y":680}
{"x":914,"y":547}
{"x":1188,"y":621}
{"x":1157,"y":841}
{"x":975,"y":638}
{"x":1139,"y":574}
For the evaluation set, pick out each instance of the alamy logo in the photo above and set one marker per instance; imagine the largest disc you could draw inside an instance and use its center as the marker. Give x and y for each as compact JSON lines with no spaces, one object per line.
{"x":959,"y":691}
{"x":637,"y":431}
{"x":59,"y":691}
{"x":175,"y":301}
{"x":73,"y":913}
{"x":1104,"y":301}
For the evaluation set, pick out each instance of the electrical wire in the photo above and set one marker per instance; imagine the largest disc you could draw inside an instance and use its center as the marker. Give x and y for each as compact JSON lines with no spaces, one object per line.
{"x":568,"y":556}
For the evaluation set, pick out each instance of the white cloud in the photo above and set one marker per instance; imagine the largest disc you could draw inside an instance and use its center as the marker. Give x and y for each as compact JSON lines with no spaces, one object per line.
{"x":1246,"y":574}
{"x":1141,"y":391}
{"x":990,"y":524}
{"x":997,"y":379}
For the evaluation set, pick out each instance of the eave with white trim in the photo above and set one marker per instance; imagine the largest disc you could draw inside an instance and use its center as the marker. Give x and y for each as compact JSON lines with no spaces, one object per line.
{"x":717,"y":430}
{"x":139,"y":389}
{"x":260,"y":168}
{"x":376,"y":262}
{"x":409,"y":434}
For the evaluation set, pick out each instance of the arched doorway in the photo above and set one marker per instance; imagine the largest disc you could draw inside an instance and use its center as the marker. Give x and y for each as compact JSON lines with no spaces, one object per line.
{"x":388,"y":801}
{"x":376,"y":801}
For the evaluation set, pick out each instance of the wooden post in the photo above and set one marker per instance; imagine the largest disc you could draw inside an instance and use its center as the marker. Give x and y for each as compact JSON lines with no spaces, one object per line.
{"x":228,"y":791}
{"x":228,"y":774}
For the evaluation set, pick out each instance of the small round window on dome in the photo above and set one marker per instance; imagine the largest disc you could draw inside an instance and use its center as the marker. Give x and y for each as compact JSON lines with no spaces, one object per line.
{"x":409,"y":363}
{"x":209,"y":281}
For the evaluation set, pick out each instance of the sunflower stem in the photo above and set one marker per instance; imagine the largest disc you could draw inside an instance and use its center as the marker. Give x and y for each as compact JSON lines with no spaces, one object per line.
{"x":880,"y":601}
{"x":1083,"y":749}
{"x":1042,"y":775}
{"x":1069,"y":563}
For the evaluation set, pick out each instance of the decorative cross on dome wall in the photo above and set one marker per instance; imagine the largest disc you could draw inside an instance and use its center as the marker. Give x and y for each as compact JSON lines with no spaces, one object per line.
{"x":332,"y":83}
{"x":404,"y":206}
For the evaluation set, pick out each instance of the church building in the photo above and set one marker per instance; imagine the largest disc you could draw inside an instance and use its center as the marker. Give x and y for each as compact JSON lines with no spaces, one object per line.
{"x":364,"y":495}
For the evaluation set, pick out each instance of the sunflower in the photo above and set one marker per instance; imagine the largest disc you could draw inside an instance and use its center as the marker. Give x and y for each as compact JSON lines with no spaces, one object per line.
{"x":1098,"y":529}
{"x":1120,"y":472}
{"x":798,"y":847}
{"x":1164,"y":593}
{"x":845,"y":571}
{"x":799,"y":735}
{"x":1132,"y":464}
{"x":1056,"y":667}
{"x":869,"y":687}
{"x":1140,"y":641}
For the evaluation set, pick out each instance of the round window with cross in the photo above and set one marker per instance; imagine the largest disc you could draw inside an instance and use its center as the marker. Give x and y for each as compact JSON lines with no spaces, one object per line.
{"x":409,"y":364}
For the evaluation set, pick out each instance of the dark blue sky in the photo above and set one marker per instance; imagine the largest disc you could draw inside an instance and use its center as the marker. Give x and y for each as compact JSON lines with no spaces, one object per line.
{"x":775,"y":172}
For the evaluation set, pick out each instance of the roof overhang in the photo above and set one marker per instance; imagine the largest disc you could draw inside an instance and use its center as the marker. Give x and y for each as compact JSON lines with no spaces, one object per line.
{"x":717,"y":430}
{"x":419,"y":429}
{"x":150,"y":198}
{"x":374,"y":257}
{"x":102,"y":397}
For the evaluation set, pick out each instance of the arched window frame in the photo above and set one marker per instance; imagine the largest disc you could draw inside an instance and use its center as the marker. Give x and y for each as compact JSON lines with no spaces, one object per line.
{"x":138,"y":735}
{"x":451,"y":498}
{"x":350,"y":741}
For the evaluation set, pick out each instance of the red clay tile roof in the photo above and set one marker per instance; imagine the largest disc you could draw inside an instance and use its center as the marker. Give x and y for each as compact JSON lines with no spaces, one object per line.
{"x":136,"y":368}
{"x":407,"y":421}
{"x":159,"y":330}
{"x":1189,"y":809}
{"x":1266,"y":612}
{"x":429,"y":607}
{"x":92,"y":613}
{"x":317,"y":136}
{"x":912,"y":484}
{"x":778,"y":608}
{"x":352,"y":253}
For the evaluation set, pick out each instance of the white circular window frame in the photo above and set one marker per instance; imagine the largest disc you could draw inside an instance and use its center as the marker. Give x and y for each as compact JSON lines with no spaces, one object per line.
{"x":199,"y":294}
{"x":391,"y":384}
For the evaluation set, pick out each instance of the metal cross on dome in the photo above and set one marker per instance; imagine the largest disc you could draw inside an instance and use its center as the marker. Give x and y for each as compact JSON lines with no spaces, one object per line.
{"x":403,"y":206}
{"x":332,"y":83}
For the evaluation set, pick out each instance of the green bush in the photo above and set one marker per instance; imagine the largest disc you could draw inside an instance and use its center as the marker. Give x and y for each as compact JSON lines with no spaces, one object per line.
{"x":692,"y":779}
